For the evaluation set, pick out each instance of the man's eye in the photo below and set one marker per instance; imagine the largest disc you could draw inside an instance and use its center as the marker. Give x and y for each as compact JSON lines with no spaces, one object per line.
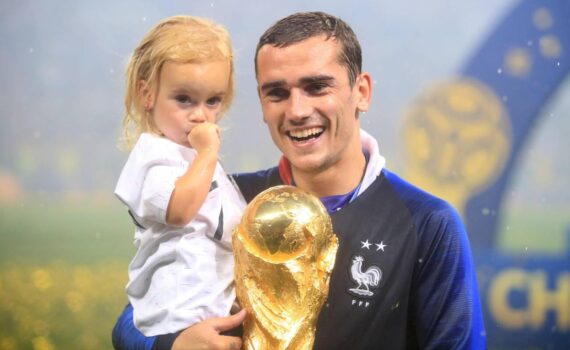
{"x":277,"y":94}
{"x":183,"y":99}
{"x":316,"y":88}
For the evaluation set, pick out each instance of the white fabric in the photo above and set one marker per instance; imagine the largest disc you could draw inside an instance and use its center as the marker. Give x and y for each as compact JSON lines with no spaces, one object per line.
{"x":376,"y":161}
{"x":179,"y":276}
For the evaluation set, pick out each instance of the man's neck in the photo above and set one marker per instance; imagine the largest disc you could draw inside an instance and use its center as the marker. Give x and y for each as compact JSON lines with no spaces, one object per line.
{"x":335,"y":180}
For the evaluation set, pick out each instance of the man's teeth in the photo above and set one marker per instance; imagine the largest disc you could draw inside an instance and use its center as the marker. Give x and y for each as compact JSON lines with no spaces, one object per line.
{"x":306,"y":133}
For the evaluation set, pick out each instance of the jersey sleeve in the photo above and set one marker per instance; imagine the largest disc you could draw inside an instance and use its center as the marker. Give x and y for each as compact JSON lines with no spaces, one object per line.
{"x":251,"y":184}
{"x":157,"y":189}
{"x":447,"y":310}
{"x":148,"y":178}
{"x":126,"y":336}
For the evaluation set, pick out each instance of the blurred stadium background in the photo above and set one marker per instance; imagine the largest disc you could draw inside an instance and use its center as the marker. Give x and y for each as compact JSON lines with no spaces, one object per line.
{"x":65,"y":241}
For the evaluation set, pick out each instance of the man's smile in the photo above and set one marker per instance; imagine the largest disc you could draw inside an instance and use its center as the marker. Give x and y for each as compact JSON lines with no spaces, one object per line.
{"x":305,"y":134}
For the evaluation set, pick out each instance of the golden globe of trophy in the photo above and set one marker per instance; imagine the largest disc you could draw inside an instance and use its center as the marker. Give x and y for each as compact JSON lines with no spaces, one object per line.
{"x":284,"y":251}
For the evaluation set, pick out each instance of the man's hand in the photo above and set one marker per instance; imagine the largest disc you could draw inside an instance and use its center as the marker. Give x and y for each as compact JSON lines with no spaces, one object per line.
{"x":206,"y":334}
{"x":205,"y":137}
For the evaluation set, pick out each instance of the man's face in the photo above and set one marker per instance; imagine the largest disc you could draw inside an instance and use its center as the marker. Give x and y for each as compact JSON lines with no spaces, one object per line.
{"x":308,"y":104}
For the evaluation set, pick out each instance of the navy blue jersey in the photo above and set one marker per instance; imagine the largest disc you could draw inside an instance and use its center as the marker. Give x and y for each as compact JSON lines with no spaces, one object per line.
{"x":403,"y":276}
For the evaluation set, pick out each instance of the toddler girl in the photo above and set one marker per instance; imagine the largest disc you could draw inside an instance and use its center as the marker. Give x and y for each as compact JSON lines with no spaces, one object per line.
{"x":179,"y":83}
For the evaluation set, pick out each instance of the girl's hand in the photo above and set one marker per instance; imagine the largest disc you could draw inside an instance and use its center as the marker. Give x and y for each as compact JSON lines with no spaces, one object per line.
{"x":205,"y":137}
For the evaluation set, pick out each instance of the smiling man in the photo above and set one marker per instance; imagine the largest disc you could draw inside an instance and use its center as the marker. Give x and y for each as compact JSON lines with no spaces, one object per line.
{"x":310,"y":105}
{"x":403,"y":276}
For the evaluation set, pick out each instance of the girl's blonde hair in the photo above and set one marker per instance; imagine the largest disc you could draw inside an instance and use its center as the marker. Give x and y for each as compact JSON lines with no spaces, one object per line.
{"x":181,"y":39}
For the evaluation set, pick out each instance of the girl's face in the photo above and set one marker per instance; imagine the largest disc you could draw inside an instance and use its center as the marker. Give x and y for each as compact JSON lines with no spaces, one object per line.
{"x":187,"y":94}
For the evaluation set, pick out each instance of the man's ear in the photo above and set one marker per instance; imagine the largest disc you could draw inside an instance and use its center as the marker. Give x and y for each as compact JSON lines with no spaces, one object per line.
{"x":146,"y":95}
{"x":363,"y":91}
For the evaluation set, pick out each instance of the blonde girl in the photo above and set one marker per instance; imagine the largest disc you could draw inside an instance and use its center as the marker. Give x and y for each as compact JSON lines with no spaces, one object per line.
{"x":180,"y":81}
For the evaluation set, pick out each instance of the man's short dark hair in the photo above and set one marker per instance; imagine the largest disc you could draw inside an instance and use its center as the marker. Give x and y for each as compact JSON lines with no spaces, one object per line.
{"x":304,"y":25}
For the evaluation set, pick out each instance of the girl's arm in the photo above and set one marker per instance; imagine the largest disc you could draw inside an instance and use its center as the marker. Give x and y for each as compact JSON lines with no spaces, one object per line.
{"x":191,"y":189}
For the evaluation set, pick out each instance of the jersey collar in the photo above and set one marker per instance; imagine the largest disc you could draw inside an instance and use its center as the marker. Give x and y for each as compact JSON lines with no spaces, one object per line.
{"x":375,"y":164}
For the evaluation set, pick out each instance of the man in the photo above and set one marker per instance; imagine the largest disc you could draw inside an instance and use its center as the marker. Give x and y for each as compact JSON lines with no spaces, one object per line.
{"x":403,"y":276}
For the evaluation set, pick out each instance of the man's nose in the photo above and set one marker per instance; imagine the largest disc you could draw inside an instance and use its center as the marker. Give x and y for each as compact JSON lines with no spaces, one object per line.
{"x":299,"y":105}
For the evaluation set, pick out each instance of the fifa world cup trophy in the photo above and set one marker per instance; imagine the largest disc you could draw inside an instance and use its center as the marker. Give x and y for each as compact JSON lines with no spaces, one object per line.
{"x":285,"y":250}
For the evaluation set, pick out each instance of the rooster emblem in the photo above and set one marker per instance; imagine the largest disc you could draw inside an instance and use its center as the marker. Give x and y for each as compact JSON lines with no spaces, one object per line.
{"x":365,"y":279}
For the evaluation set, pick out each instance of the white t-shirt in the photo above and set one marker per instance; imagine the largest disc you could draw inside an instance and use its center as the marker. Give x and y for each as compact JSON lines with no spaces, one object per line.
{"x":179,"y":276}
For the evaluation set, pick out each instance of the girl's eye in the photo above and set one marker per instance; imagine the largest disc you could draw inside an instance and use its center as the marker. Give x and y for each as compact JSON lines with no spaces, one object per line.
{"x":214,"y":101}
{"x":183,"y":99}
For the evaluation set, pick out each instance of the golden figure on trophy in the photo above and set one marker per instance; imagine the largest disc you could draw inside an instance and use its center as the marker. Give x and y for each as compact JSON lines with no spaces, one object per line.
{"x":285,"y":251}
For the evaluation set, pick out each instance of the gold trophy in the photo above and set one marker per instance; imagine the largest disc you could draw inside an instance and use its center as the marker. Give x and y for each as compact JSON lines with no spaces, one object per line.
{"x":284,"y":252}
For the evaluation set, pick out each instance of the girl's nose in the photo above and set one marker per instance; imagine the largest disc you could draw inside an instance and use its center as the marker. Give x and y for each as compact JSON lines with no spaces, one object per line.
{"x":198,"y":115}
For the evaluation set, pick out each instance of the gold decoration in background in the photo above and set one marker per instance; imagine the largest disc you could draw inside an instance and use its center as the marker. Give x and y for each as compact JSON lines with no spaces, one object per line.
{"x":285,"y":250}
{"x":458,"y":138}
{"x":550,"y":46}
{"x":518,"y":62}
{"x":542,"y":19}
{"x":60,"y":304}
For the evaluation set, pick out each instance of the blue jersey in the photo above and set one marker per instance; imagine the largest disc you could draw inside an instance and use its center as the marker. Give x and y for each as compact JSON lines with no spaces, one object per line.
{"x":403,"y":276}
